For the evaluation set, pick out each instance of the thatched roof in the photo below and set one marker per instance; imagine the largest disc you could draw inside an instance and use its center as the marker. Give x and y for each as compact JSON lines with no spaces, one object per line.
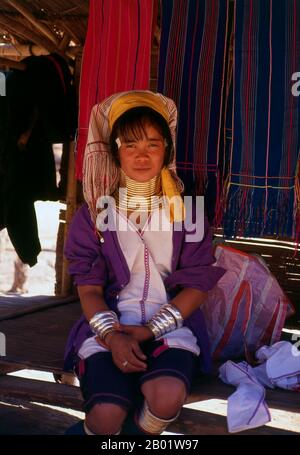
{"x":38,"y":27}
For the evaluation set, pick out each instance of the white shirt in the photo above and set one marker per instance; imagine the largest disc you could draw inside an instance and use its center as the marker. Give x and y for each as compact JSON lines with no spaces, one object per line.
{"x":148,"y":253}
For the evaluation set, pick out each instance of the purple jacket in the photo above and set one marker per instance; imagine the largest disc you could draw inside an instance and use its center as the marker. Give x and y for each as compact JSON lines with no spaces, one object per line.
{"x":92,"y":262}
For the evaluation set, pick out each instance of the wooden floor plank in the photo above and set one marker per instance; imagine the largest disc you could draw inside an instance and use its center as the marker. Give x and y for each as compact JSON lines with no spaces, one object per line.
{"x":195,"y":422}
{"x":19,"y":417}
{"x":12,"y":306}
{"x":213,"y":387}
{"x":41,"y":391}
{"x":190,"y":421}
{"x":37,"y":340}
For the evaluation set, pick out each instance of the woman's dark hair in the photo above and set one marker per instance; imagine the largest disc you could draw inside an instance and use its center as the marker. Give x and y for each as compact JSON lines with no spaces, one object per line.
{"x":132,"y":125}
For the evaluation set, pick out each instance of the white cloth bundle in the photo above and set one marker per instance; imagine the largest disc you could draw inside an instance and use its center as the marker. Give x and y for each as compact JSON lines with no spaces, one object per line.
{"x":280,"y":367}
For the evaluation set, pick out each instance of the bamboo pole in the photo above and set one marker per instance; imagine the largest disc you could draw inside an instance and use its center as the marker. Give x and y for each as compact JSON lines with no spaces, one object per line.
{"x":64,"y":44}
{"x":12,"y":64}
{"x":16,"y":28}
{"x":65,"y":48}
{"x":63,"y":281}
{"x":68,"y":29}
{"x":30,"y":17}
{"x":22,"y":50}
{"x":74,"y":51}
{"x":71,"y":208}
{"x":77,"y":73}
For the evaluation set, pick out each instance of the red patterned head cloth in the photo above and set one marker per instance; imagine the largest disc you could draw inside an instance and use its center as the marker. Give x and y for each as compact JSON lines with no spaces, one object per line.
{"x":100,"y":174}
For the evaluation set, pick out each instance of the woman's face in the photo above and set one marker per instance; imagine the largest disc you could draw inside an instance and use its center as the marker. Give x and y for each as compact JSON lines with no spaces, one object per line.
{"x":142,"y":159}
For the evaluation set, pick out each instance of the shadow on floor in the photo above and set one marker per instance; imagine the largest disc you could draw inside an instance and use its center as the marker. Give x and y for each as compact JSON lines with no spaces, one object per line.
{"x":19,"y":417}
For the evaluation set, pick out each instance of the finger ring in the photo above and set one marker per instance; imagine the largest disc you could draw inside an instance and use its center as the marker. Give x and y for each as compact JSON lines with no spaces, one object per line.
{"x":125,"y":363}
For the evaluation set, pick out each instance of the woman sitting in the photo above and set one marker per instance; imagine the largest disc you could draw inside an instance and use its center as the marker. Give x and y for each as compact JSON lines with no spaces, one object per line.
{"x":141,"y":270}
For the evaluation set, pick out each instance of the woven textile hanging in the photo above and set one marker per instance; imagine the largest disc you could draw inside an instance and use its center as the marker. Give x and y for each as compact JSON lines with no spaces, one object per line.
{"x":191,"y":67}
{"x":116,"y":57}
{"x":260,"y":196}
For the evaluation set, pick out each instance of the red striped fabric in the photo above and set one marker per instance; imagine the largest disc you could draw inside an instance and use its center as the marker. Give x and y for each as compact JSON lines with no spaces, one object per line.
{"x":116,"y":57}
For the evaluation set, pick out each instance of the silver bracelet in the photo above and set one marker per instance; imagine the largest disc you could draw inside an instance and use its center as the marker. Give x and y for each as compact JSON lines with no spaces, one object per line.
{"x":165,"y":321}
{"x":175,"y":313}
{"x":102,"y":323}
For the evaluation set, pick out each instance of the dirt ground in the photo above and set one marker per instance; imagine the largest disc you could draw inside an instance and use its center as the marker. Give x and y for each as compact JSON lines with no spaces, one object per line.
{"x":41,"y":277}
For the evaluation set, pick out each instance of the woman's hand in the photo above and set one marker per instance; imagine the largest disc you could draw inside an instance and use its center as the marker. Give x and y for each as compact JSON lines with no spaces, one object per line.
{"x":126,"y":352}
{"x":139,"y":333}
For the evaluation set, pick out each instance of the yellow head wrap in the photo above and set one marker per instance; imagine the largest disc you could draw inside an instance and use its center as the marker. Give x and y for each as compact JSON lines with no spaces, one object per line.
{"x":136,"y":99}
